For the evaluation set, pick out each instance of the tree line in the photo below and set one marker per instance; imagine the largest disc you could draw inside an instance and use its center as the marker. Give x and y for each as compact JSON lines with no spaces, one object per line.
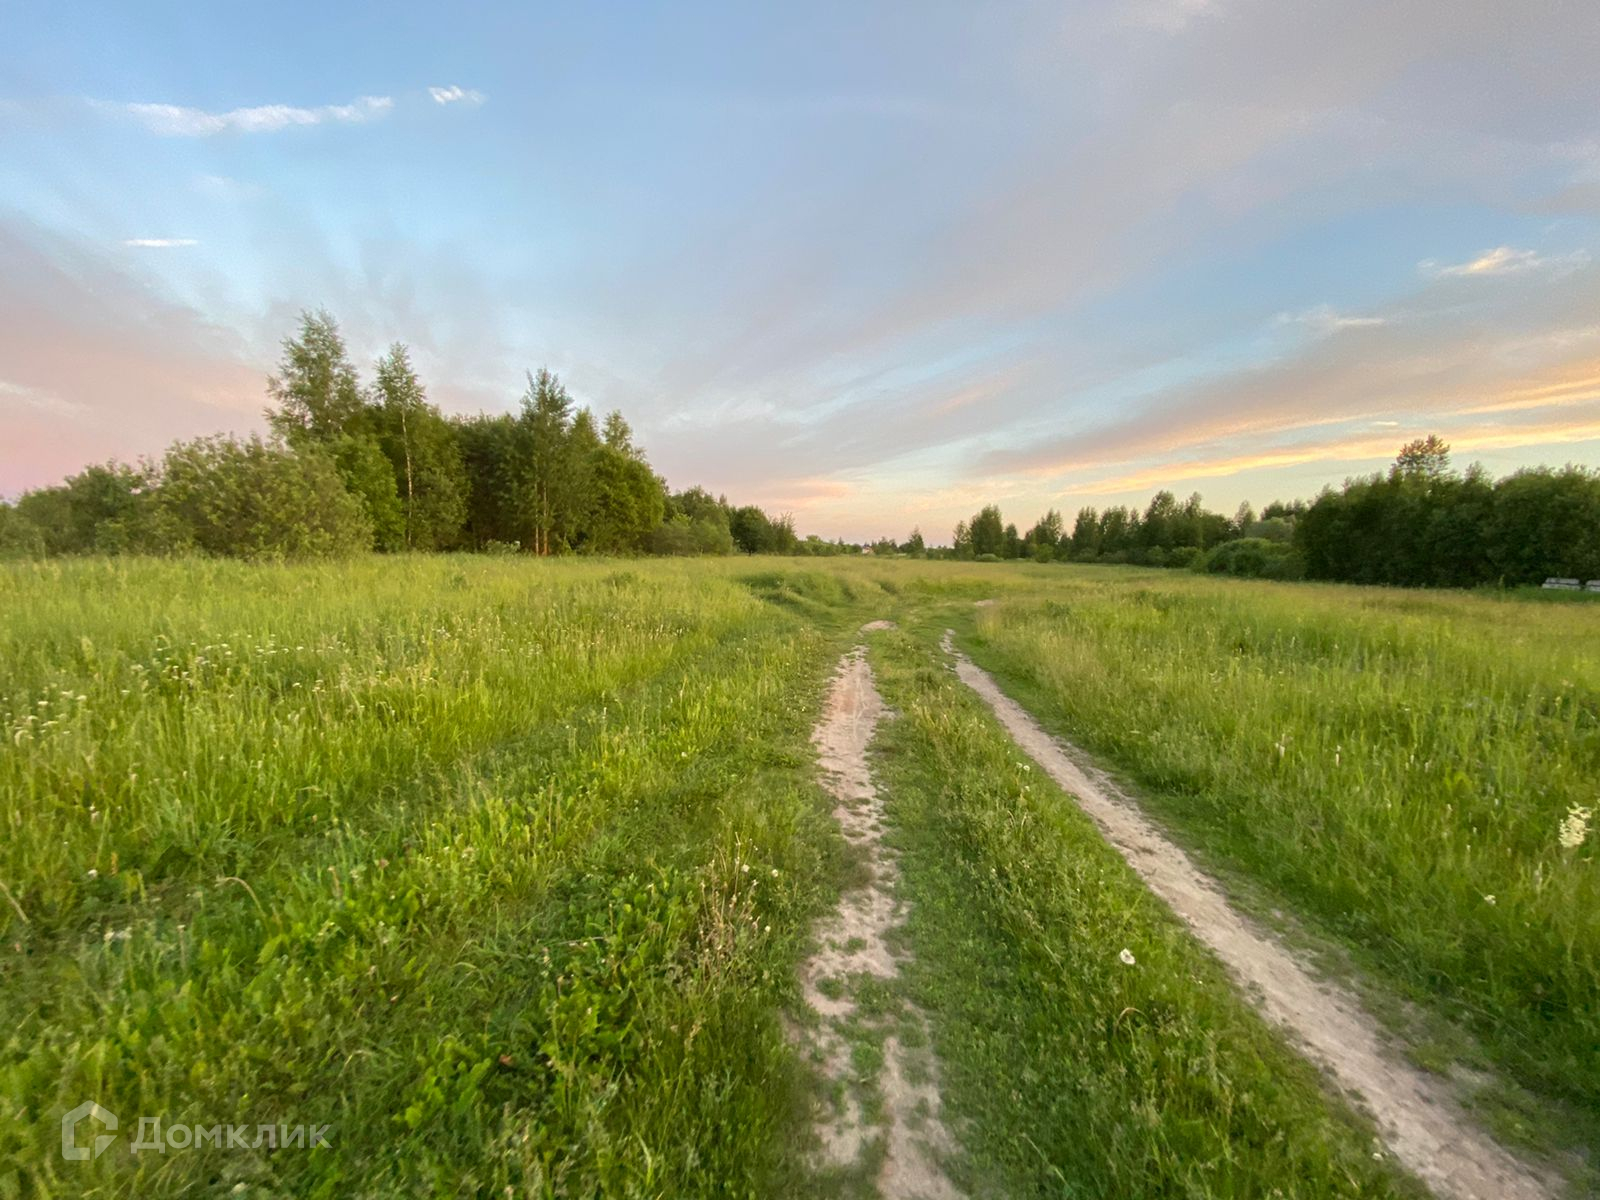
{"x":1419,"y":524}
{"x":351,"y":466}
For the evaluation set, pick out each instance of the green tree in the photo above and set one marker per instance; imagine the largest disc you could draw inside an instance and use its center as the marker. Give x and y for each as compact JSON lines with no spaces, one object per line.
{"x":1546,"y":522}
{"x":19,"y":536}
{"x":627,"y":502}
{"x":618,"y":435}
{"x":961,"y":541}
{"x":423,"y":453}
{"x":752,"y":530}
{"x":320,"y":404}
{"x":316,"y":387}
{"x":1425,"y":458}
{"x":542,"y":473}
{"x":1086,"y":535}
{"x":988,"y":532}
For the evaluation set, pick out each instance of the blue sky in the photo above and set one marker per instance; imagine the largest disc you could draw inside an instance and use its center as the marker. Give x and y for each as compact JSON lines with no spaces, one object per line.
{"x":873,"y":264}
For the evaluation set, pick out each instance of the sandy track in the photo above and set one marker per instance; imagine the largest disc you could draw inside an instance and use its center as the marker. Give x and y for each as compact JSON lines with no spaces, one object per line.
{"x":1422,"y":1124}
{"x":853,"y":943}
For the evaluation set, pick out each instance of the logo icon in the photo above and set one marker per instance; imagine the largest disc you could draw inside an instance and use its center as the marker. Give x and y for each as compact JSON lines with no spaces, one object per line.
{"x":69,"y":1131}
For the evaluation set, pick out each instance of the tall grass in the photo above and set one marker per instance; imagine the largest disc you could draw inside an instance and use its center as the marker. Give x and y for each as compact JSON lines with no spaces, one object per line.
{"x":499,"y":868}
{"x":1397,"y":767}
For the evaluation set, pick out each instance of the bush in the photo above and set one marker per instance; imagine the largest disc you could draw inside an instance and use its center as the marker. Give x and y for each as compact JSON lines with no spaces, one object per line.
{"x":1252,"y":558}
{"x":254,"y":499}
{"x":1182,"y":556}
{"x":19,"y":537}
{"x":987,"y":558}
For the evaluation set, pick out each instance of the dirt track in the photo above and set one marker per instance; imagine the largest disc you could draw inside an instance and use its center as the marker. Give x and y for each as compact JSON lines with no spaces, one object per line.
{"x":855,"y":941}
{"x":1421,"y":1123}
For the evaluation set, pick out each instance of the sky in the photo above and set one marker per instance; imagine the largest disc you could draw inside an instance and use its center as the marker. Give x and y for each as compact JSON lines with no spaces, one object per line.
{"x":874,"y":264}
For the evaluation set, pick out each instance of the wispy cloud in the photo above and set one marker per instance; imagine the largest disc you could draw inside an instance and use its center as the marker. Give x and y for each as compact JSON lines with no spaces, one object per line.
{"x":455,"y":94}
{"x":1325,"y":320}
{"x":1503,"y":260}
{"x":1167,"y":16}
{"x":1347,"y":449}
{"x":175,"y":120}
{"x":160,"y":243}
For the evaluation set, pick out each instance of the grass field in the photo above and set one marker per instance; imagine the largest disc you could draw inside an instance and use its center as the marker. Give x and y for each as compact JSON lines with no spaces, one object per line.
{"x":1394,"y":768}
{"x":503,"y":869}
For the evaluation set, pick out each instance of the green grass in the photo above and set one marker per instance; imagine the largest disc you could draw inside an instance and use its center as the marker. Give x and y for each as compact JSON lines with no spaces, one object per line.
{"x":451,"y":854}
{"x":1070,"y":1072}
{"x":1391,"y":767}
{"x":472,"y":860}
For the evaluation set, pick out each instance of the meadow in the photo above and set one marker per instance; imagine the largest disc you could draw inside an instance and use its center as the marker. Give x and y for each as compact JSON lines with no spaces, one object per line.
{"x":502,"y":868}
{"x":1406,"y":773}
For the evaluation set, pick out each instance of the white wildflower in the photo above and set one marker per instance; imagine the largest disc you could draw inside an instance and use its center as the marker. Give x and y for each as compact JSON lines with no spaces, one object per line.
{"x":1488,"y":899}
{"x":1575,"y":826}
{"x":1127,"y":957}
{"x":93,"y":874}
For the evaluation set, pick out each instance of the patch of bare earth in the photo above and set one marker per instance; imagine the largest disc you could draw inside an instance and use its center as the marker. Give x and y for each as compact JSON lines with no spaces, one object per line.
{"x":1416,"y":1114}
{"x":884,"y":1122}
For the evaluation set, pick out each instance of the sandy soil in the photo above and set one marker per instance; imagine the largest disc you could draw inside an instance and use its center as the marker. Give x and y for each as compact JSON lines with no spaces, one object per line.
{"x":855,"y":941}
{"x":1415,"y":1112}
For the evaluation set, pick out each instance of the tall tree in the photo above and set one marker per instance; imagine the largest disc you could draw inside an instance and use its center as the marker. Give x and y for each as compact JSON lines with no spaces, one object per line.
{"x":619,"y":435}
{"x":422,"y":448}
{"x":988,"y":532}
{"x":1425,"y":458}
{"x":542,"y":492}
{"x":320,"y":404}
{"x":316,"y":387}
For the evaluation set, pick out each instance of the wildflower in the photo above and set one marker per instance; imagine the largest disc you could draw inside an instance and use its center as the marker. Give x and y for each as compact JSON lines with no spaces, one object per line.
{"x":1127,"y":957}
{"x":1488,"y":899}
{"x":1575,"y":826}
{"x":93,"y":874}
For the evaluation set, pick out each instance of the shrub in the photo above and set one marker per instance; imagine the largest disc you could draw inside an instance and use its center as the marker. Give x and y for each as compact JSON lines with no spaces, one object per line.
{"x":1182,"y":556}
{"x":254,"y":499}
{"x":1252,"y":558}
{"x":19,"y":537}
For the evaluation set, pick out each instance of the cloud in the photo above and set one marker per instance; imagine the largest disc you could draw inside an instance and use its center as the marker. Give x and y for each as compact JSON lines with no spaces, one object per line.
{"x":1344,"y":450}
{"x":455,"y":94}
{"x":1531,"y":345}
{"x":1504,"y":260}
{"x":173,"y":120}
{"x":160,"y":243}
{"x":1168,"y":16}
{"x":99,"y":365}
{"x":1324,"y":320}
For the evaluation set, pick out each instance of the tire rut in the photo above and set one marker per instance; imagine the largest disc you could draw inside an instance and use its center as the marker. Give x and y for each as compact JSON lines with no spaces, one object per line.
{"x":895,"y":1113}
{"x":1419,"y":1119}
